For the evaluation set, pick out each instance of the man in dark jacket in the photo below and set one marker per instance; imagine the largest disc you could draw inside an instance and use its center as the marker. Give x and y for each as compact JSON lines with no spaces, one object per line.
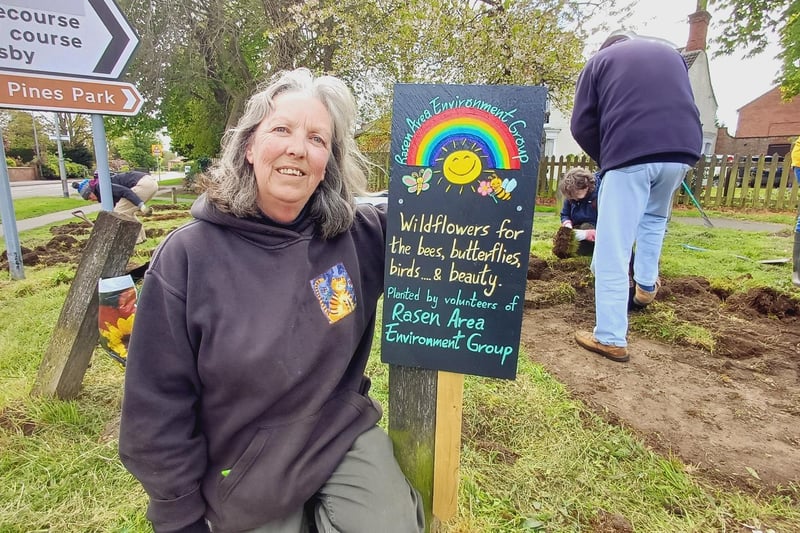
{"x":635,"y":115}
{"x":130,"y":191}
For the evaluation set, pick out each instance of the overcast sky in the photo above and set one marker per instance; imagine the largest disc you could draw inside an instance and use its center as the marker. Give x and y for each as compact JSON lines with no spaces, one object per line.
{"x":736,"y":81}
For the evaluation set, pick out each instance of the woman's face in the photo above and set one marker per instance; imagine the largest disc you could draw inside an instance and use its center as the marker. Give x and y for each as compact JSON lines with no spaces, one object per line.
{"x":579,"y":194}
{"x":289,"y":152}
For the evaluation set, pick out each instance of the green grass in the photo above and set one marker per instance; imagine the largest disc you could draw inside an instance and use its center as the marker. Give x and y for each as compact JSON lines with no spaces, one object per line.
{"x":754,"y":215}
{"x":730,"y":259}
{"x":729,"y":262}
{"x":532,"y":458}
{"x":177,"y":182}
{"x":38,"y":206}
{"x":661,"y":323}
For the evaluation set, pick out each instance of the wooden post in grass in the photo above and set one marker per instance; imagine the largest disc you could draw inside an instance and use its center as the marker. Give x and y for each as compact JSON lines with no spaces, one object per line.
{"x":75,"y":334}
{"x":447,"y":444}
{"x":425,"y":426}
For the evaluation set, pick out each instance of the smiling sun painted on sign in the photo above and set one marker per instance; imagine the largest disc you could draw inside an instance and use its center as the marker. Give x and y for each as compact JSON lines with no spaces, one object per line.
{"x":464,"y":147}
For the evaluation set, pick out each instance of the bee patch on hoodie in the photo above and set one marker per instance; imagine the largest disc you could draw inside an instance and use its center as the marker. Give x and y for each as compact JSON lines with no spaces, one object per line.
{"x":334,"y":291}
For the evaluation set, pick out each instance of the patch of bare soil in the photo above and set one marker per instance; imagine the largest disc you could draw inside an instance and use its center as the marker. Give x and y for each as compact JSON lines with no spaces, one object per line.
{"x":68,"y":241}
{"x":733,"y":413}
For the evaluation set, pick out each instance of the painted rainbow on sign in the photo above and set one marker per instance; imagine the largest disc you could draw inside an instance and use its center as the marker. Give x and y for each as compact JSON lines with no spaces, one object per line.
{"x":461,"y":124}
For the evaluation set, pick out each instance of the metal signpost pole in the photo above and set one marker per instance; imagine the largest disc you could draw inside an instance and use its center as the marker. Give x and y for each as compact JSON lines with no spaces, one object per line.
{"x":36,"y":142}
{"x":13,"y":249}
{"x":61,"y":167}
{"x":101,"y":156}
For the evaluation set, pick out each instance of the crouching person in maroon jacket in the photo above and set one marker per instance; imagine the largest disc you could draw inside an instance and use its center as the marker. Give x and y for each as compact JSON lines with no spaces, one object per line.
{"x":130,"y":191}
{"x":246,"y":405}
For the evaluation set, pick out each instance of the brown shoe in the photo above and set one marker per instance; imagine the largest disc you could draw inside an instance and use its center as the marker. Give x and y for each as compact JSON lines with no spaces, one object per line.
{"x":587,"y":340}
{"x":643,"y":297}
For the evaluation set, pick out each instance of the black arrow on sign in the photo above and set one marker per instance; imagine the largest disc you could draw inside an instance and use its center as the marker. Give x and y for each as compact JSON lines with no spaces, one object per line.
{"x":119,"y":38}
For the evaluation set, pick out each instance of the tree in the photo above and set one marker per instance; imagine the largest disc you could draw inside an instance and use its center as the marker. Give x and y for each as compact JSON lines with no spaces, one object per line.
{"x":23,"y":130}
{"x":79,"y":153}
{"x":76,"y":132}
{"x":375,"y":44}
{"x":526,"y":42}
{"x":77,"y":127}
{"x":196,"y":123}
{"x":199,"y":60}
{"x":751,"y":25}
{"x":135,"y":149}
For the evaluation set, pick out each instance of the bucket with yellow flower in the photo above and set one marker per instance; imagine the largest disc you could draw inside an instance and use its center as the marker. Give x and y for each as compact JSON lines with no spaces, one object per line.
{"x":117,"y":309}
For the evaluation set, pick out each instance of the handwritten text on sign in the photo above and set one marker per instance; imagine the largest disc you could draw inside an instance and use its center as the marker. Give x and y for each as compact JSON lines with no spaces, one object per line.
{"x":460,"y":213}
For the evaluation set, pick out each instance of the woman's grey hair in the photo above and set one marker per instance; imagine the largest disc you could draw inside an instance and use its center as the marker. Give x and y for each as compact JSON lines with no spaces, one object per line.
{"x":231,"y":183}
{"x":576,"y":179}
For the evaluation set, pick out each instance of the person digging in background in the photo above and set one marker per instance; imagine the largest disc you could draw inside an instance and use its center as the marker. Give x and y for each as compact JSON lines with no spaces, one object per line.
{"x":130,"y":191}
{"x":579,"y":187}
{"x":635,"y":115}
{"x":246,"y":407}
{"x":576,"y":235}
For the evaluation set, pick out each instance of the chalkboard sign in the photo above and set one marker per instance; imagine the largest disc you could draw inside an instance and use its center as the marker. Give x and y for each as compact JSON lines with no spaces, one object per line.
{"x":464,"y":164}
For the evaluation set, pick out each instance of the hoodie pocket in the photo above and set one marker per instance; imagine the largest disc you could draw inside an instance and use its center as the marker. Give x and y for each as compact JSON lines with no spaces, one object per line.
{"x":284,"y":464}
{"x":243,"y":464}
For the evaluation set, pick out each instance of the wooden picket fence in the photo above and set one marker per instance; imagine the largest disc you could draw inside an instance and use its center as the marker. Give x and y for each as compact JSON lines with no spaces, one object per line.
{"x":716,"y":181}
{"x":742,"y":181}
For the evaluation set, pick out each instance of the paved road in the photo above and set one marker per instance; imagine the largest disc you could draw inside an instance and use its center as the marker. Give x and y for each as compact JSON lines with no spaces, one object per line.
{"x":23,"y":189}
{"x":730,"y":223}
{"x":28,"y":189}
{"x":50,"y":218}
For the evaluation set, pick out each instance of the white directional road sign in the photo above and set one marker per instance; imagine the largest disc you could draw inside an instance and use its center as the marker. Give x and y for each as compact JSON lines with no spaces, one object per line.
{"x":83,"y":38}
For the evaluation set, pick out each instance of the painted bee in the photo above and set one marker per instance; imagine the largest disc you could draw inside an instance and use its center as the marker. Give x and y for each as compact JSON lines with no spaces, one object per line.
{"x":502,"y":188}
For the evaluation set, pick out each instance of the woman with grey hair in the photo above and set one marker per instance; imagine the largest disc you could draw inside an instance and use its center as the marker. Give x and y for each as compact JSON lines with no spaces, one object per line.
{"x":232,"y":186}
{"x":246,"y":407}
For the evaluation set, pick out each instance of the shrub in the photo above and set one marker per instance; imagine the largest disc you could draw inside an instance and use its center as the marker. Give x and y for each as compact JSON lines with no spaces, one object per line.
{"x":51,"y":170}
{"x":23,"y":154}
{"x":79,"y":154}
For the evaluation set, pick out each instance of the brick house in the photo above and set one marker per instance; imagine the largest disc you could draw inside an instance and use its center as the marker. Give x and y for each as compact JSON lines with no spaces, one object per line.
{"x":766,"y":125}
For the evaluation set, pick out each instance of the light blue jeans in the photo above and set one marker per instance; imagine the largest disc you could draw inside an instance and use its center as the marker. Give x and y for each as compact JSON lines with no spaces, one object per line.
{"x":633,"y":206}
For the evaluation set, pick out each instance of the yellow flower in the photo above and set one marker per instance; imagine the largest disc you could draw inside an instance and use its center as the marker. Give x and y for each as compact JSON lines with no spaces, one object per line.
{"x":117,"y":335}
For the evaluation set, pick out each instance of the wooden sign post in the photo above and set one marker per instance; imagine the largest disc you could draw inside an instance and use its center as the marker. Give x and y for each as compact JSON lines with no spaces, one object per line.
{"x":75,"y":334}
{"x":464,"y":167}
{"x":425,"y":426}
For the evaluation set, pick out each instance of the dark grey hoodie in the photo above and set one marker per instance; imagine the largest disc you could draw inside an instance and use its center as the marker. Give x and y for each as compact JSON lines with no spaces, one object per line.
{"x":634,"y":104}
{"x":244,"y":382}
